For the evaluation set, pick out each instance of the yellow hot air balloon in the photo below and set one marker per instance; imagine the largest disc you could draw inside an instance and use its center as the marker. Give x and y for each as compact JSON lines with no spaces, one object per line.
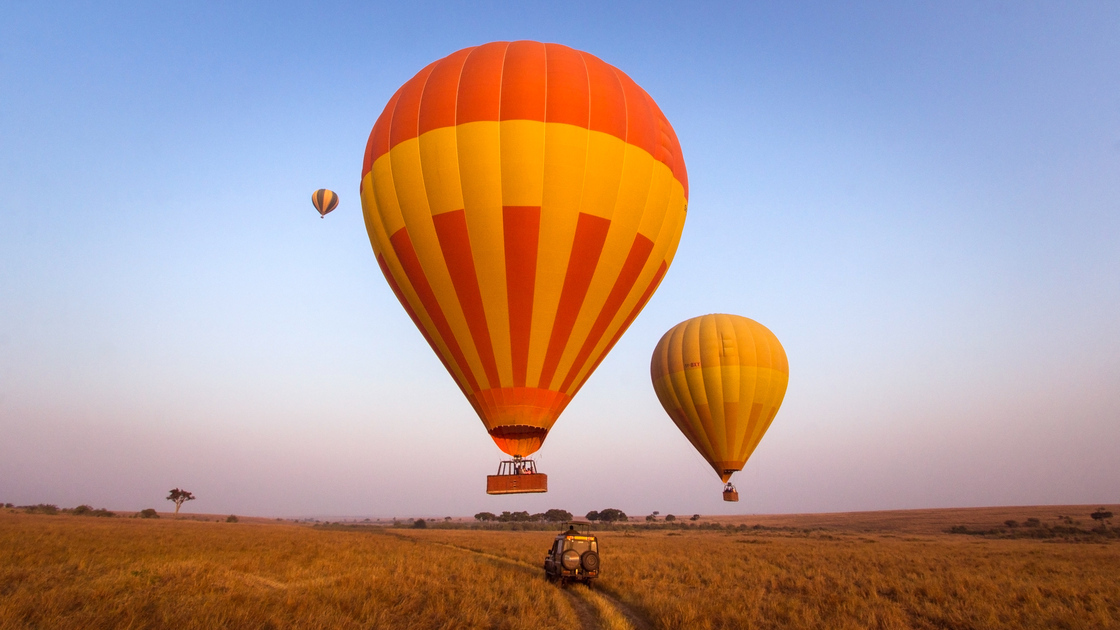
{"x":721,"y":378}
{"x":324,"y":201}
{"x":524,"y":201}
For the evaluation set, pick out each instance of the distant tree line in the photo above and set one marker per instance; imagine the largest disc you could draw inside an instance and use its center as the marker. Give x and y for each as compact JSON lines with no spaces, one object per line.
{"x":51,"y":509}
{"x":1064,"y":526}
{"x":550,"y":516}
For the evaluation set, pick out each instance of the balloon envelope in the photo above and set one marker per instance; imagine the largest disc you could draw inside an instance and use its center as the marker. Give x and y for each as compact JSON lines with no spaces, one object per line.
{"x":721,"y":378}
{"x":324,"y":201}
{"x":524,"y":200}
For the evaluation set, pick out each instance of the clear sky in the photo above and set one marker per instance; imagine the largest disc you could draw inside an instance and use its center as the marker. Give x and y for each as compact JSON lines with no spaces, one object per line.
{"x":921,"y":199}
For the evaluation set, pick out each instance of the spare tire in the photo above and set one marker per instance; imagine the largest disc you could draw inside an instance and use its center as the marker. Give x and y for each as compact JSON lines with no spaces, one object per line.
{"x":590,"y":561}
{"x":570,"y":560}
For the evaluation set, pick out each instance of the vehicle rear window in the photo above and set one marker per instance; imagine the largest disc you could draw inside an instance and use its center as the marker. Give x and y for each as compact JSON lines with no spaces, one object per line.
{"x":579,"y":545}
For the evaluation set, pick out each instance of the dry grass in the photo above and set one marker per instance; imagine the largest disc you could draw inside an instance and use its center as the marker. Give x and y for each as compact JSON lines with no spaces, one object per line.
{"x":793,"y":579}
{"x":73,"y":572}
{"x":853,"y":581}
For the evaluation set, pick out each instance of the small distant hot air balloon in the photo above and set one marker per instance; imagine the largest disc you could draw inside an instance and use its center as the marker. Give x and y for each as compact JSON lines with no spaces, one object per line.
{"x":721,"y":378}
{"x":524,"y":201}
{"x":324,"y":201}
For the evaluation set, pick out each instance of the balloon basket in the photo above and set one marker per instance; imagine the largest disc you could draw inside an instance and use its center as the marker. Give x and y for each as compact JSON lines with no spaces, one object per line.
{"x":730,"y":493}
{"x":517,"y":476}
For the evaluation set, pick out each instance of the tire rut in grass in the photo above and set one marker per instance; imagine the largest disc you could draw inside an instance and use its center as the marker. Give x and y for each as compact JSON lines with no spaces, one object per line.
{"x":595,"y":609}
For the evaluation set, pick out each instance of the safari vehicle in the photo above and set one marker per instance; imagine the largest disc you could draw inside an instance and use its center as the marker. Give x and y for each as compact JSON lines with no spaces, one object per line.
{"x":574,"y":556}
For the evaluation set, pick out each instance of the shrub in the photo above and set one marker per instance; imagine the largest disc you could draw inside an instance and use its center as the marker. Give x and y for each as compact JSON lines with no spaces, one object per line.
{"x":41,"y":508}
{"x":612,"y":515}
{"x":419,"y":523}
{"x":149,"y":513}
{"x":669,"y":518}
{"x":1032,"y":522}
{"x":695,"y":517}
{"x":1011,"y":523}
{"x":231,"y":519}
{"x":557,"y":516}
{"x":515,"y":517}
{"x":1101,"y":515}
{"x":85,"y":510}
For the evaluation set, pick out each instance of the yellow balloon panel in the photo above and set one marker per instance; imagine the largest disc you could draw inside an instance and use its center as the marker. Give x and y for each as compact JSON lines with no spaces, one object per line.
{"x":721,"y":378}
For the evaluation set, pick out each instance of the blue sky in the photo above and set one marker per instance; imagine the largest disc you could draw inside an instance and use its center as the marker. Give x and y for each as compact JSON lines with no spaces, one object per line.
{"x":922,"y":201}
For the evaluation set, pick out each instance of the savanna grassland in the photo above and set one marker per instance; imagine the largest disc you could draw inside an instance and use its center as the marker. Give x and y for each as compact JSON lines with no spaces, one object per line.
{"x":72,"y":572}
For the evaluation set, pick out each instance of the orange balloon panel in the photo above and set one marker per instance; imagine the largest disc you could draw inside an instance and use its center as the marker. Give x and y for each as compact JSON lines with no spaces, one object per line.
{"x":524,"y":200}
{"x":324,"y":201}
{"x":721,"y":378}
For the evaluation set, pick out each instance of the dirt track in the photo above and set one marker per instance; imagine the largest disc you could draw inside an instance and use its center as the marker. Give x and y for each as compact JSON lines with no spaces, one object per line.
{"x":596,"y":610}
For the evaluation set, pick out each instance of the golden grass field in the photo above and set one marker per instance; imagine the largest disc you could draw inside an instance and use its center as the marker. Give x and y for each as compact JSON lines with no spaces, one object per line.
{"x":875,"y":570}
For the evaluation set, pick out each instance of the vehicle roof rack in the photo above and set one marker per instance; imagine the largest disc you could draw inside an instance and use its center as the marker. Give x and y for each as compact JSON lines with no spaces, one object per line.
{"x":583,"y":527}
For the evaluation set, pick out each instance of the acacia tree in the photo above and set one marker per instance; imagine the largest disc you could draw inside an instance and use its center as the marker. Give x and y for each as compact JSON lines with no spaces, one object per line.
{"x":612,"y":515}
{"x":557,"y":516}
{"x":179,"y":497}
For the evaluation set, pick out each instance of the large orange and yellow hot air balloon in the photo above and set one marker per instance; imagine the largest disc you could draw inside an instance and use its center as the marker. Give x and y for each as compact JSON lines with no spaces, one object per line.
{"x":524,"y":201}
{"x":721,"y":378}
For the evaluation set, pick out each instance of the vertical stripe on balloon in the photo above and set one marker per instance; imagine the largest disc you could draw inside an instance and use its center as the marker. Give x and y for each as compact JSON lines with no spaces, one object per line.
{"x":591,"y":233}
{"x":480,"y":84}
{"x":415,"y":318}
{"x":402,"y":245}
{"x":521,"y":225}
{"x":646,"y":295}
{"x":635,"y":262}
{"x":523,"y":82}
{"x":451,"y":229}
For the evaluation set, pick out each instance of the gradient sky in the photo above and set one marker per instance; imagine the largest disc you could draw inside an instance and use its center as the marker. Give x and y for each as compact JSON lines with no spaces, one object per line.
{"x":922,"y":200}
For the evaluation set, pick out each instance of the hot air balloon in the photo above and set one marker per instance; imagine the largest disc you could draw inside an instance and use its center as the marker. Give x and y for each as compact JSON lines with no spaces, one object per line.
{"x":324,"y":201}
{"x":524,"y":201}
{"x":721,"y":378}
